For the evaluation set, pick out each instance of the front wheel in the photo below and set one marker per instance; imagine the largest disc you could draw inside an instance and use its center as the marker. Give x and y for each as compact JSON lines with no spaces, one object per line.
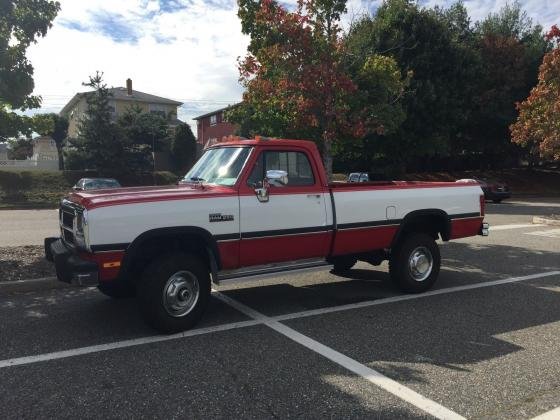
{"x":414,"y":264}
{"x":174,"y":292}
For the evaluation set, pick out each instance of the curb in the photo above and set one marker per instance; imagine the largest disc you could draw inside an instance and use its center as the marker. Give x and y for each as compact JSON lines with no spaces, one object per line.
{"x":32,"y":285}
{"x":545,"y":221}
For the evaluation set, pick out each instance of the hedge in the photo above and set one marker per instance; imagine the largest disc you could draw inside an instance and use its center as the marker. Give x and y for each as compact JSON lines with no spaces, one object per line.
{"x":44,"y":189}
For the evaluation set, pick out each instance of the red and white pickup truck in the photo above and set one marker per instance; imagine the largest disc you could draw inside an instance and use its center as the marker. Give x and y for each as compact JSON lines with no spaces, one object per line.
{"x":250,"y":208}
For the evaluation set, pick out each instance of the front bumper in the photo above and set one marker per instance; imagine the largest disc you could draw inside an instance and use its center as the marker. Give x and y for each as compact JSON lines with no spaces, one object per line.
{"x":70,"y":268}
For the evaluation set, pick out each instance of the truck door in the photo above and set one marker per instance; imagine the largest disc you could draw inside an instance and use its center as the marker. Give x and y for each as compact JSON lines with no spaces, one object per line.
{"x":292,"y":224}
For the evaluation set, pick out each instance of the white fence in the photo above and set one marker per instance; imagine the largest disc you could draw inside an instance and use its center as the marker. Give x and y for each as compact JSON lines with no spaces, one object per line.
{"x":29,"y":165}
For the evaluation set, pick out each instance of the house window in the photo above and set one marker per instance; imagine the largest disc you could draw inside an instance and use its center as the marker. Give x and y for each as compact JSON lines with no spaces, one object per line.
{"x":213,"y":119}
{"x":159,"y":109}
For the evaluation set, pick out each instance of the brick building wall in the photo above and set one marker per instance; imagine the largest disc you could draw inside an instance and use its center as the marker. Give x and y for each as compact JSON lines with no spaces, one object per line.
{"x":211,"y":128}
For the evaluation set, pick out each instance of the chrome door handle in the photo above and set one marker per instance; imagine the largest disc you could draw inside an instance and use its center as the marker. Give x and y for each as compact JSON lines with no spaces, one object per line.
{"x":313,"y":195}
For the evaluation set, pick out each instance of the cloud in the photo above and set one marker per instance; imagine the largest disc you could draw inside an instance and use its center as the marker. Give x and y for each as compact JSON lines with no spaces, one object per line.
{"x":116,"y":27}
{"x":182,"y":50}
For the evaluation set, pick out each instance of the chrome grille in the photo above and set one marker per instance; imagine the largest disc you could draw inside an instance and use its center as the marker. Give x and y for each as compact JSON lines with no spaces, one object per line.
{"x":68,"y":219}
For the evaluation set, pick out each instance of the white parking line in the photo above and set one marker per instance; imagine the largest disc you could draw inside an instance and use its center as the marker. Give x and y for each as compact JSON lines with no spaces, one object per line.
{"x":401,"y":298}
{"x":371,"y":375}
{"x":513,"y":226}
{"x":26,"y":360}
{"x":235,"y":325}
{"x":550,"y":415}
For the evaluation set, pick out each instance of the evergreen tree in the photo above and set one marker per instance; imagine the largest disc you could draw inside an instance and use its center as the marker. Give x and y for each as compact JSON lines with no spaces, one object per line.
{"x":183,"y":148}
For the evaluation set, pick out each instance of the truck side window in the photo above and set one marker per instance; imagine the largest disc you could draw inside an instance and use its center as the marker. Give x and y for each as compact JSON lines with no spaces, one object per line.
{"x":296,"y":164}
{"x":257,"y":174}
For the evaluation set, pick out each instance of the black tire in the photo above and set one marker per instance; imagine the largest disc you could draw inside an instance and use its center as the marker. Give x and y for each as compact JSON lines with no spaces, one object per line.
{"x":343,"y":264}
{"x":498,"y":201}
{"x":117,"y":289}
{"x":403,"y":275}
{"x":165,"y":274}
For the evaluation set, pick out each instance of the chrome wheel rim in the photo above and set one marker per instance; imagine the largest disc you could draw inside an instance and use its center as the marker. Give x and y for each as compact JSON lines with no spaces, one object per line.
{"x":181,"y":293}
{"x":420,"y":263}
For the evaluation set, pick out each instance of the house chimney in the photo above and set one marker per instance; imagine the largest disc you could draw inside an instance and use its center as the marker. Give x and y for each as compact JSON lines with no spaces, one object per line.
{"x":129,"y":87}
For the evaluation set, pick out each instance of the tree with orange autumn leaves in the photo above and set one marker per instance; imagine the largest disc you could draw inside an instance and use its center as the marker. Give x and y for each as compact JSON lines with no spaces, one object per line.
{"x":297,"y":84}
{"x":538,"y":124}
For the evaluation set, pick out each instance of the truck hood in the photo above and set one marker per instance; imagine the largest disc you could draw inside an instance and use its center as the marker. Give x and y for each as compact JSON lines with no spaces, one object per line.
{"x":121,"y":196}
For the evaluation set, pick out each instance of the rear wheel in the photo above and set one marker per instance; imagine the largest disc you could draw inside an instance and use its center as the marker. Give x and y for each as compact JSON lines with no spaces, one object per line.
{"x":174,"y":292}
{"x":414,"y":264}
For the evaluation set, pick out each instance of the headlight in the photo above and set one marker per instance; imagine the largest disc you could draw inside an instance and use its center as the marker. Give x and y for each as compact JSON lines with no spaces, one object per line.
{"x":82,"y":230}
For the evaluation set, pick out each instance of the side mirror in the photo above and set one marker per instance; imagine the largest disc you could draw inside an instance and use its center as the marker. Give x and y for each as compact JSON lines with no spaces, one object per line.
{"x":262,"y":193}
{"x":277,"y":177}
{"x":77,"y":188}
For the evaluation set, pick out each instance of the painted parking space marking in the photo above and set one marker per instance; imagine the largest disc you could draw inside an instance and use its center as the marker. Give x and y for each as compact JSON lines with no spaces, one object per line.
{"x":371,"y":375}
{"x":26,"y":360}
{"x":513,"y":226}
{"x":401,"y":298}
{"x":551,"y":233}
{"x":242,"y":324}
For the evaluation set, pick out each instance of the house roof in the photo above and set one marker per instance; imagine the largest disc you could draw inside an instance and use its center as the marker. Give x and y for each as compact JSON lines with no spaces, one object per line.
{"x":217,"y":111}
{"x":120,"y":93}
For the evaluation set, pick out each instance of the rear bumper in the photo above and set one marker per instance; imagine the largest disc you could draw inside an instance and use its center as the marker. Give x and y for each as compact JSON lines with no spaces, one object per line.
{"x":70,"y":268}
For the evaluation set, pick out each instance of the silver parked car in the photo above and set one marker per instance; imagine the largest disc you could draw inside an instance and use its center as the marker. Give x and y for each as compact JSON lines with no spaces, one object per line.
{"x":85,"y":184}
{"x":358,"y":177}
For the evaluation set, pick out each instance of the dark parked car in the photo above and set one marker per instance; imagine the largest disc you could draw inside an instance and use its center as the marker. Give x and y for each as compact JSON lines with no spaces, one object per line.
{"x":96,"y":184}
{"x":493,"y":190}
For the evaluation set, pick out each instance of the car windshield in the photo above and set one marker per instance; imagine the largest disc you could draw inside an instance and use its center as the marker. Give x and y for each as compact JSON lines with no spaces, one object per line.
{"x":220,"y":166}
{"x":101,"y":183}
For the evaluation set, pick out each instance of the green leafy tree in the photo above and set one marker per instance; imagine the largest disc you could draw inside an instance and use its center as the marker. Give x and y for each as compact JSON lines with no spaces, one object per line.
{"x":296,"y":79}
{"x":21,"y":23}
{"x":538,"y":124}
{"x":511,"y":48}
{"x":99,"y":144}
{"x":183,"y":148}
{"x":428,"y":46}
{"x":20,"y":148}
{"x":52,"y":125}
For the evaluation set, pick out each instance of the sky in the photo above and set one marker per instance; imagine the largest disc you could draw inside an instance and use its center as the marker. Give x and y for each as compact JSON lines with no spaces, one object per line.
{"x":185,"y":50}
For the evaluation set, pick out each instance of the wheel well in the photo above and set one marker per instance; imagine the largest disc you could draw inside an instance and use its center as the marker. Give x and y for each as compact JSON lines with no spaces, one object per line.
{"x":142,"y":252}
{"x":435,"y":223}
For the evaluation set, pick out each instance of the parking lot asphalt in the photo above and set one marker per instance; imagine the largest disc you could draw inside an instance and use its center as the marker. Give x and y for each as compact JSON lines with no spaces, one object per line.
{"x":482,"y":344}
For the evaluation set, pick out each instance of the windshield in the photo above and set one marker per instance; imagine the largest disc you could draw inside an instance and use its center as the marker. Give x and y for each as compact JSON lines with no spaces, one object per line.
{"x":219,"y":166}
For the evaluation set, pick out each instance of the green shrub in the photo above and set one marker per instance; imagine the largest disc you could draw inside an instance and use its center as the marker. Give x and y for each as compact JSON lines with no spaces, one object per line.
{"x":165,"y":178}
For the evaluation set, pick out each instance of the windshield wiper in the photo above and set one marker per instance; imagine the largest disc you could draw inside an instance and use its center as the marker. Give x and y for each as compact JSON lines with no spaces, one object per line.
{"x":197,"y":179}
